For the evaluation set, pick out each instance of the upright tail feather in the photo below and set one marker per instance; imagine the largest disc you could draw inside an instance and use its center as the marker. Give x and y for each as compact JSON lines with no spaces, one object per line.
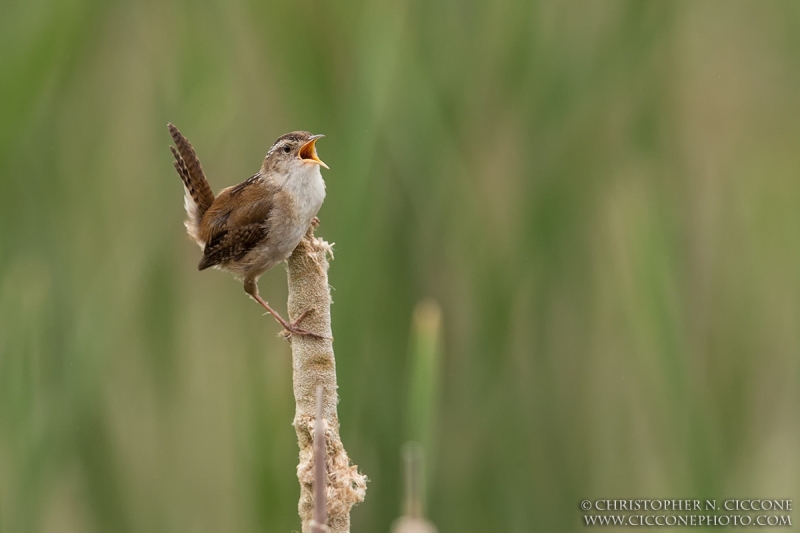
{"x":198,"y":195}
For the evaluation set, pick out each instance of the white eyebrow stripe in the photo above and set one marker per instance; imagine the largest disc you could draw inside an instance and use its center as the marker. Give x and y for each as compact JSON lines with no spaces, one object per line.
{"x":274,"y":147}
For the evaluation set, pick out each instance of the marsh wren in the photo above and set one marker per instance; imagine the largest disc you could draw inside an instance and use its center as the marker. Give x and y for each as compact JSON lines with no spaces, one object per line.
{"x":249,"y":228}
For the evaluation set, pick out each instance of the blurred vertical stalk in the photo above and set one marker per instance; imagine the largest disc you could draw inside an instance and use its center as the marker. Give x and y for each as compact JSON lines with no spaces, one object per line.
{"x":314,"y":367}
{"x":413,"y":472}
{"x":422,"y":398}
{"x":423,"y":390}
{"x":413,"y":520}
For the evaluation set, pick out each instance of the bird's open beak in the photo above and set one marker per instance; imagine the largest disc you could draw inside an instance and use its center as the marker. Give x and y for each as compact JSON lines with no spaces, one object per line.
{"x":308,"y":153}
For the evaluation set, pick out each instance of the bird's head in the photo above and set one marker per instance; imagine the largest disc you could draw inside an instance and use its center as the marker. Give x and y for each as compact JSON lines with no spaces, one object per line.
{"x":292,"y":153}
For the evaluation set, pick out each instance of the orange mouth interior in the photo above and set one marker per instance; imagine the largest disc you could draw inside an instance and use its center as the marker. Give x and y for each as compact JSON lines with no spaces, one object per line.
{"x":309,"y":151}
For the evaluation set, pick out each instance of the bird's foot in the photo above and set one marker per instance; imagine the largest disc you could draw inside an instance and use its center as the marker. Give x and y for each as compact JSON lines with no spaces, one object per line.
{"x":315,"y":222}
{"x":290,"y":329}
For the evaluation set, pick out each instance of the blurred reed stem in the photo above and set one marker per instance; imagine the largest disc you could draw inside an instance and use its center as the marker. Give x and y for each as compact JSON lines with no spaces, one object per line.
{"x":422,"y":399}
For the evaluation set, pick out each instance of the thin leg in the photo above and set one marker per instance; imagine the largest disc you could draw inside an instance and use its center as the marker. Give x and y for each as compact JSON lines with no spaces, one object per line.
{"x":290,"y":328}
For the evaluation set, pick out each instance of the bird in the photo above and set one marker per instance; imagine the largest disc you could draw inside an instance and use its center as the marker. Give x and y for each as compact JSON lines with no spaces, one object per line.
{"x":248,"y":228}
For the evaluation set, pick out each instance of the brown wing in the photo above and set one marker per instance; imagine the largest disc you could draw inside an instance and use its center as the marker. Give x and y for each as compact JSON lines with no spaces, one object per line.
{"x":232,"y":244}
{"x":236,"y":222}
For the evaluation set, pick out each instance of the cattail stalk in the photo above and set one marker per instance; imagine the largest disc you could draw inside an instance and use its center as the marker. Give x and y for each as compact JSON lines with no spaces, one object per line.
{"x":313,"y":365}
{"x":319,"y":524}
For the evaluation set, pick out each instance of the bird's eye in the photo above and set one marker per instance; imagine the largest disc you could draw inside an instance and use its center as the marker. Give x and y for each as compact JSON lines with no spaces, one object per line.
{"x":287,"y":149}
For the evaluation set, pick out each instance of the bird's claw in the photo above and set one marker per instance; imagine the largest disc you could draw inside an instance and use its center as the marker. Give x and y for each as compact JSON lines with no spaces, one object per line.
{"x":292,"y":328}
{"x":289,"y":332}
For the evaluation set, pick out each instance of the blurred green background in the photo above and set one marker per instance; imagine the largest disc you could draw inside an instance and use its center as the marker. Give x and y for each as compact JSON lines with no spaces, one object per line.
{"x":603,"y":197}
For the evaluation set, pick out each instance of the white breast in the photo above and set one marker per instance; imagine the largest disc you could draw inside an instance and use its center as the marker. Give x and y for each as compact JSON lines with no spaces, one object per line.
{"x":307,"y":188}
